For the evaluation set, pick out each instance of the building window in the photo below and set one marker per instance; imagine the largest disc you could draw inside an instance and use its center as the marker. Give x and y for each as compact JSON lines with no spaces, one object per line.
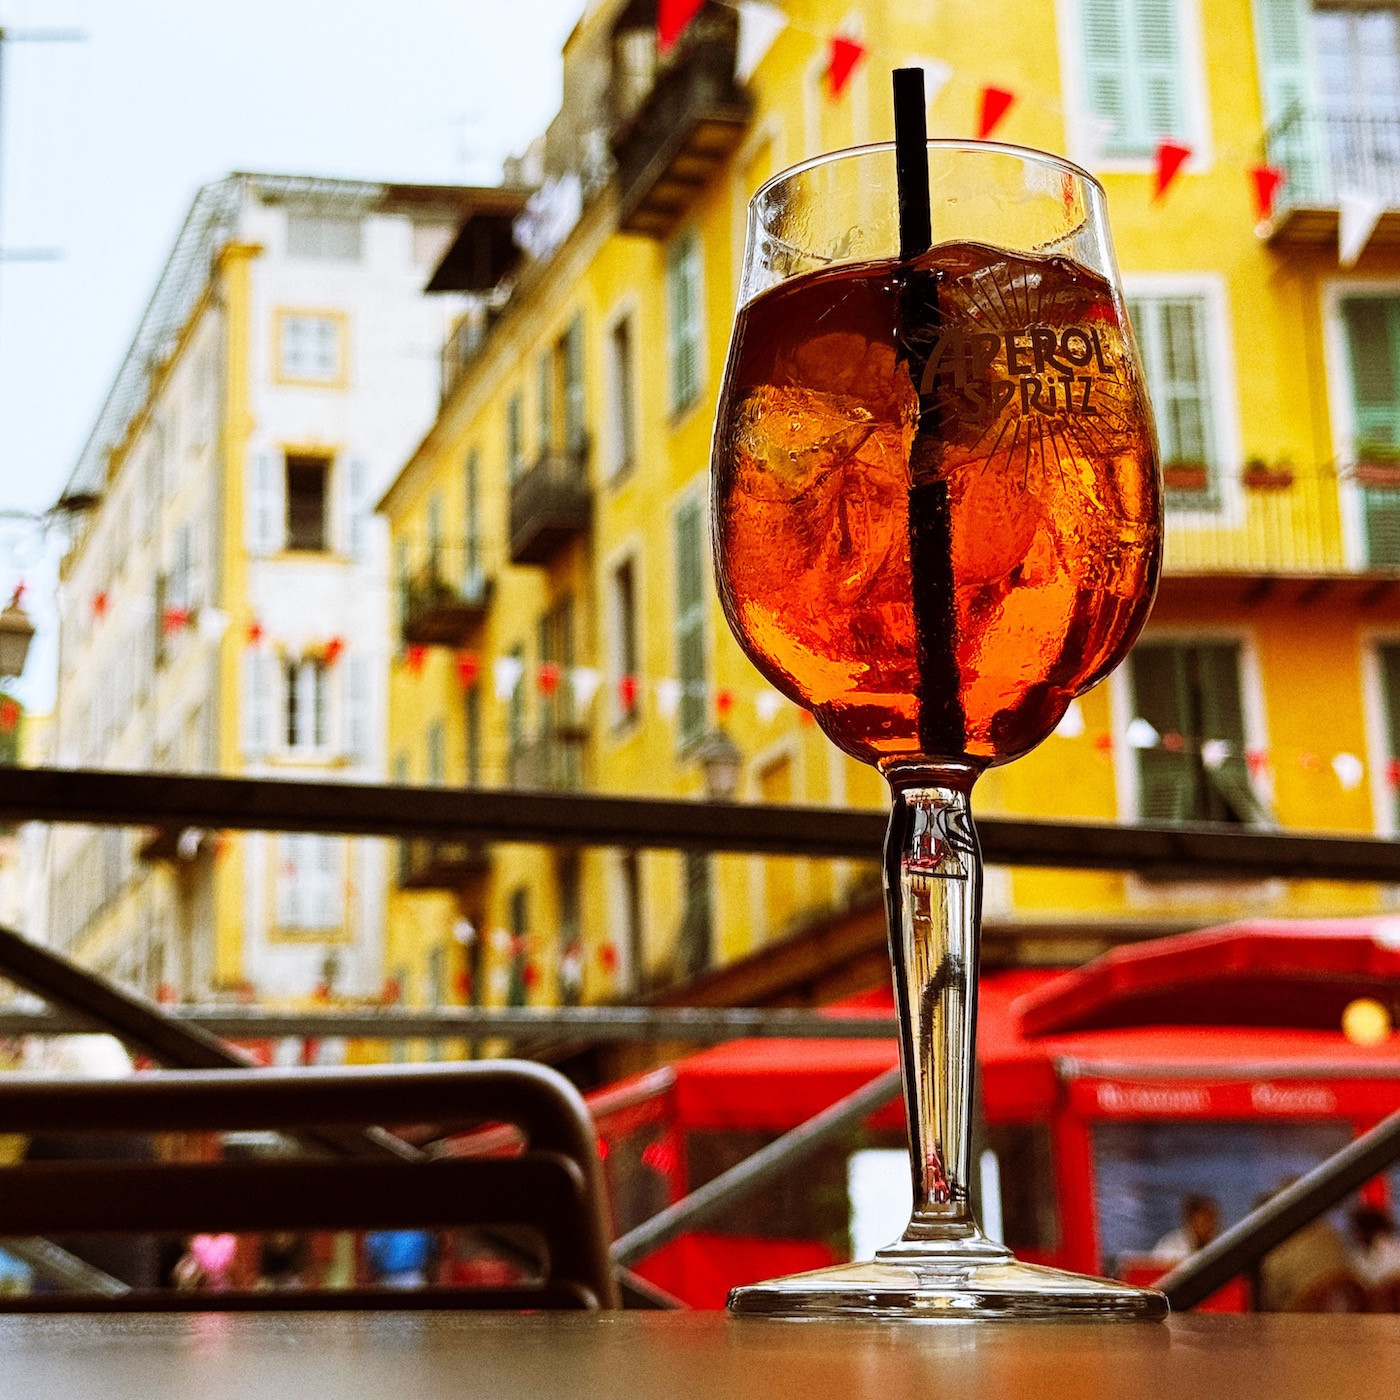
{"x":570,"y":931}
{"x":517,"y":990}
{"x":1171,"y":334}
{"x":310,"y":883}
{"x":308,"y":480}
{"x":323,"y":237}
{"x":569,"y":353}
{"x":473,"y":581}
{"x":1134,"y":78}
{"x":1373,"y":346}
{"x":405,"y":847}
{"x":515,"y":706}
{"x":690,"y":622}
{"x":544,"y":400}
{"x":473,"y":735}
{"x":558,"y":722}
{"x":683,"y":301}
{"x":515,"y":437}
{"x":622,"y":400}
{"x":434,"y":522}
{"x":437,"y":754}
{"x":1388,"y":657}
{"x":1192,"y":766}
{"x":622,"y":639}
{"x":310,"y":349}
{"x":305,"y":694}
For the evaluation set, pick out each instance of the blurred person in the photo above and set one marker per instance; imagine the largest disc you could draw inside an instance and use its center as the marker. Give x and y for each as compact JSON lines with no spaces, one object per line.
{"x":1200,"y":1224}
{"x":1310,"y":1271}
{"x":1375,"y":1255}
{"x":399,"y":1258}
{"x":132,"y":1259}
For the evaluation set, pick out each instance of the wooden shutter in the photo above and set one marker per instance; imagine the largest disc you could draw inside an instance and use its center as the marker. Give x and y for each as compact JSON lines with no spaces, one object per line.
{"x":683,"y":281}
{"x":515,"y":436}
{"x":1167,"y":781}
{"x":266,"y":508}
{"x":1373,"y":343}
{"x":575,"y":411}
{"x":544,"y":393}
{"x":1282,"y":30}
{"x":1171,"y":333}
{"x":358,"y":699}
{"x":473,"y":735}
{"x":437,"y":756}
{"x":690,"y":621}
{"x":1220,"y":715}
{"x":472,"y":580}
{"x":324,"y":901}
{"x":257,"y":704}
{"x":1132,"y":71}
{"x":1389,"y":658}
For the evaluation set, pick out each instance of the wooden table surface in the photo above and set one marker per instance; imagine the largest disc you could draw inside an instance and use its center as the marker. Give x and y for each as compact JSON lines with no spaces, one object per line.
{"x":687,"y":1356}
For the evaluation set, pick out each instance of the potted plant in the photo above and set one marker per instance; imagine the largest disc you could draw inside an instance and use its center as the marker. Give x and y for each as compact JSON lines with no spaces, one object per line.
{"x":1378,"y":465}
{"x":1260,"y":475}
{"x":1183,"y":475}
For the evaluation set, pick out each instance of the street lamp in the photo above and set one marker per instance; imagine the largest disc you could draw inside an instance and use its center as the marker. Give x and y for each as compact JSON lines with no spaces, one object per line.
{"x":721,"y":761}
{"x":16,"y":632}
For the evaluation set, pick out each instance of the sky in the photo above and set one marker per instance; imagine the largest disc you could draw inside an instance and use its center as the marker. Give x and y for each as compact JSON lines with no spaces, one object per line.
{"x":104,"y":141}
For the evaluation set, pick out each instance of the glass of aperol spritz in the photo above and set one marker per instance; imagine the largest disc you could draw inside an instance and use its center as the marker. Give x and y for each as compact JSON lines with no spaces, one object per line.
{"x":937,"y":520}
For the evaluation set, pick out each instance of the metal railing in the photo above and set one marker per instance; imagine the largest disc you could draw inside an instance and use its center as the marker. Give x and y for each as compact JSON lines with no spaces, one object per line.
{"x":550,"y":503}
{"x":1328,"y":154}
{"x":444,"y":592}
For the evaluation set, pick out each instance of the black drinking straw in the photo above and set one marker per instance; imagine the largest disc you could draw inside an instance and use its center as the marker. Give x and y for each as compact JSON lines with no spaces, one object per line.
{"x":911,"y":162}
{"x":941,"y":721}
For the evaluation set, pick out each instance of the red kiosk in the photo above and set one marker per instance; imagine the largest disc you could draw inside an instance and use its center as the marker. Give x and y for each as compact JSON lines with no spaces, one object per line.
{"x":1211,"y":1063}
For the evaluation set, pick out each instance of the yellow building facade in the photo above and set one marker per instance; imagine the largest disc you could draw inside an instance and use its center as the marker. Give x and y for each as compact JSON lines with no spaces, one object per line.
{"x":559,"y":626}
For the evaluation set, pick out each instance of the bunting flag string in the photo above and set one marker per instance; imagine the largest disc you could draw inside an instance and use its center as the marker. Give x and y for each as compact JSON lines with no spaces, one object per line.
{"x":842,"y":57}
{"x":996,"y":103}
{"x":1171,"y":156}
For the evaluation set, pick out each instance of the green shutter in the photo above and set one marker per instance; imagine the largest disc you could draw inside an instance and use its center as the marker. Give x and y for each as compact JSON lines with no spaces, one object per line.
{"x":1171,"y":334}
{"x":690,"y":622}
{"x":1230,"y":794}
{"x":683,"y":324}
{"x":575,"y":416}
{"x":471,"y":581}
{"x":545,"y":397}
{"x":515,"y":436}
{"x":1132,"y":69}
{"x":1389,"y":658}
{"x":473,"y":736}
{"x":434,"y":559}
{"x":1167,"y":782}
{"x":1373,"y":343}
{"x":1281,"y":31}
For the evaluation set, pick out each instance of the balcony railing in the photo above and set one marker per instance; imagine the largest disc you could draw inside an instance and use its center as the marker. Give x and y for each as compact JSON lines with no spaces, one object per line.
{"x":674,"y":139}
{"x":1326,"y":156}
{"x":438,"y":610}
{"x":1278,"y":521}
{"x":550,"y":503}
{"x":441,"y":865}
{"x":551,"y":760}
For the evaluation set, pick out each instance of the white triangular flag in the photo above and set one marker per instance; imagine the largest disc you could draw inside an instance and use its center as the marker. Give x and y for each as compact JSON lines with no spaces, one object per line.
{"x":1095,"y":133}
{"x":506,"y":671}
{"x":1214,"y":752}
{"x":936,"y":75}
{"x":768,"y":703}
{"x":759,"y":25}
{"x":1357,"y":216}
{"x":1141,"y":735}
{"x":585,"y":681}
{"x":1071,"y":724}
{"x":1349,"y":770}
{"x":212,"y":624}
{"x":668,"y":698}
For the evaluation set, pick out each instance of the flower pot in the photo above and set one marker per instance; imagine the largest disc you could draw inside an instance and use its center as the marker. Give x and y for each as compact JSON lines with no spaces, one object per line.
{"x":1185,"y":476}
{"x":1261,"y":478}
{"x":1382,"y":475}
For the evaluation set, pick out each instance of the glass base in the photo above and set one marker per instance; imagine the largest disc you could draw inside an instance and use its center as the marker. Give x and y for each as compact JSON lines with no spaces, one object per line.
{"x":945,"y":1289}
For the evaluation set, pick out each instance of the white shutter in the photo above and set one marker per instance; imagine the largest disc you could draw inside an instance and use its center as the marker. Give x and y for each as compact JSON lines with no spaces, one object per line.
{"x":325,"y":890}
{"x":265,"y":509}
{"x":257,"y":704}
{"x":355,"y":495}
{"x":357,"y":709}
{"x":287,"y":853}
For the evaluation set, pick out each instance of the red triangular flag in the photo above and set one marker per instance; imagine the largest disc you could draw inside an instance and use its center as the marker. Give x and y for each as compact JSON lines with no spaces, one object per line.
{"x":1268,"y":180}
{"x":724,"y":702}
{"x":414,"y":658}
{"x":99,"y":605}
{"x":841,"y":62}
{"x":1171,"y":156}
{"x":996,"y":103}
{"x":672,"y":20}
{"x":334,"y":648}
{"x":468,"y":668}
{"x":255,"y":632}
{"x":627,"y":692}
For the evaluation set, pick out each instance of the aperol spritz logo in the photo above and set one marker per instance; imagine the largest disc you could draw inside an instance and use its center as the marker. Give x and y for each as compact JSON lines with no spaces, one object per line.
{"x":1053,"y":371}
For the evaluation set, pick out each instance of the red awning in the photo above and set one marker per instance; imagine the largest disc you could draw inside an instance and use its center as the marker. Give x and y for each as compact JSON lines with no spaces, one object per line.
{"x":1298,"y":974}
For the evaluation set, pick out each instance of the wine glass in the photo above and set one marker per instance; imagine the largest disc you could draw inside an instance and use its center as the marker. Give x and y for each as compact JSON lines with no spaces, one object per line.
{"x":937,"y":519}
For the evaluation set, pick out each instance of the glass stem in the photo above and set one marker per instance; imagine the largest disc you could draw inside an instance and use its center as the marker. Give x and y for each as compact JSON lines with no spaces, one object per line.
{"x":933,"y":896}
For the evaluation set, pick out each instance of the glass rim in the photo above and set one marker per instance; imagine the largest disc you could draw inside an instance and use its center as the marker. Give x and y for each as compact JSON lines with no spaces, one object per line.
{"x":1031,"y":154}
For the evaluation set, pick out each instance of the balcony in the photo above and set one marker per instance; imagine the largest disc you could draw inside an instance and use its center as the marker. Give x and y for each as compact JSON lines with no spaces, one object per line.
{"x":669,"y":143}
{"x":549,"y":505}
{"x":552,"y":760}
{"x":1328,"y":156}
{"x":441,"y":612}
{"x":460,"y":348}
{"x":441,"y":865}
{"x":1329,"y":532}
